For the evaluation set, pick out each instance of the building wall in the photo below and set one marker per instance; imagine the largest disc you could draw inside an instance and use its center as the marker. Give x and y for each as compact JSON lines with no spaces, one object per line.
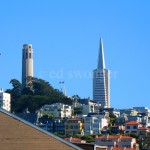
{"x":57,"y":110}
{"x":27,"y":63}
{"x":101,"y":87}
{"x":116,"y":141}
{"x":131,"y":128}
{"x":94,"y":124}
{"x":5,"y":100}
{"x":73,"y":127}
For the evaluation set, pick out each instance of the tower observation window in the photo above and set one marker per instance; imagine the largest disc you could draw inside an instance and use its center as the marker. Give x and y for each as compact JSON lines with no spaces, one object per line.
{"x":29,"y":55}
{"x":26,"y":55}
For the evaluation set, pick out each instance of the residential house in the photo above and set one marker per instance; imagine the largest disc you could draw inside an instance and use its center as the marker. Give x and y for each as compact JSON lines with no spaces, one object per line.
{"x":30,"y":117}
{"x":5,"y":100}
{"x":57,"y":110}
{"x":117,"y":129}
{"x":94,"y":123}
{"x":132,"y":127}
{"x":117,"y":141}
{"x":128,"y":112}
{"x":136,"y":118}
{"x":143,"y":131}
{"x":52,"y":124}
{"x":74,"y":126}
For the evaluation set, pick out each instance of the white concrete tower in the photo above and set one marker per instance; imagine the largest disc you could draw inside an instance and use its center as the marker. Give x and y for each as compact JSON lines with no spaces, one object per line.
{"x":27,"y":63}
{"x":101,"y":80}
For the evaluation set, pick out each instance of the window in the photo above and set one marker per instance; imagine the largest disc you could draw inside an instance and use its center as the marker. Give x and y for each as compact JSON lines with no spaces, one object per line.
{"x":103,"y":140}
{"x":95,"y":120}
{"x":128,"y":127}
{"x":134,"y":127}
{"x":95,"y":125}
{"x":75,"y":127}
{"x":26,"y":55}
{"x":29,"y":55}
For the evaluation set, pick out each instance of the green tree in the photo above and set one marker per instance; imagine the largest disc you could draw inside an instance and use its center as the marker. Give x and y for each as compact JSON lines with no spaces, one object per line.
{"x":78,"y":111}
{"x":48,"y":115}
{"x":88,"y":138}
{"x":17,"y":87}
{"x":112,"y":118}
{"x":145,"y":142}
{"x":76,"y":97}
{"x":37,"y":93}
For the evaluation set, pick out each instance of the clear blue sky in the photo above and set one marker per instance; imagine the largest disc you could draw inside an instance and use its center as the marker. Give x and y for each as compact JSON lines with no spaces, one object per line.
{"x":65,"y":36}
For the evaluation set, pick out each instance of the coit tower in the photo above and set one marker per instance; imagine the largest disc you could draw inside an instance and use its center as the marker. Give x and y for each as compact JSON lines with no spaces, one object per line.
{"x":27,"y":63}
{"x":101,"y":80}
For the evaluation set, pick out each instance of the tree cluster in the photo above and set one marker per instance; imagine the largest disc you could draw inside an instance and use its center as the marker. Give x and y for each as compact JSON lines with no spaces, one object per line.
{"x":37,"y":93}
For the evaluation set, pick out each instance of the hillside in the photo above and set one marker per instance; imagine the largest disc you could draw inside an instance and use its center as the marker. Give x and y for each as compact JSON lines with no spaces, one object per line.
{"x":38,"y":93}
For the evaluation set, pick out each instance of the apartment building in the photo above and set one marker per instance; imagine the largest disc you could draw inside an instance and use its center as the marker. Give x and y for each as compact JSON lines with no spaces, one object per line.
{"x":74,"y":126}
{"x":117,"y":141}
{"x":5,"y":100}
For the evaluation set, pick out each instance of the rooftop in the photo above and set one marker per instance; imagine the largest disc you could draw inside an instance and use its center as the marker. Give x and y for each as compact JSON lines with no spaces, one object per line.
{"x":132,"y":123}
{"x":114,"y":137}
{"x":19,"y":134}
{"x":75,"y":119}
{"x":74,"y":140}
{"x":143,"y":128}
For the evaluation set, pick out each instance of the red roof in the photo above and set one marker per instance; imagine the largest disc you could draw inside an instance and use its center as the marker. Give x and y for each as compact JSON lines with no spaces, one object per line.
{"x":132,"y":123}
{"x":126,"y":137}
{"x":114,"y":137}
{"x":74,"y":119}
{"x":142,"y":128}
{"x":74,"y":139}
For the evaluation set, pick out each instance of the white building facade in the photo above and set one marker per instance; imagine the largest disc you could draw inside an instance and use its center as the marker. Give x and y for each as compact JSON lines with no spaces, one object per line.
{"x":90,"y":107}
{"x":5,"y":100}
{"x":101,"y":81}
{"x":94,"y":124}
{"x":57,"y":110}
{"x":27,"y":63}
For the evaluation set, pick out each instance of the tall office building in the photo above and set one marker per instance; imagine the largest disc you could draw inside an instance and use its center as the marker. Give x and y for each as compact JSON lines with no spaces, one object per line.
{"x":27,"y":63}
{"x":101,"y":80}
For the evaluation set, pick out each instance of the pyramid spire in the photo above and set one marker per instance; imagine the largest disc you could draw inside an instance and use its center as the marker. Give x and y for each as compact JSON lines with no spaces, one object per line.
{"x":101,"y":60}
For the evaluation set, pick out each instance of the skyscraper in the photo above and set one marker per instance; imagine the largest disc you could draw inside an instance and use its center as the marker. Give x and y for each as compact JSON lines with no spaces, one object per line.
{"x":101,"y":80}
{"x":27,"y":63}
